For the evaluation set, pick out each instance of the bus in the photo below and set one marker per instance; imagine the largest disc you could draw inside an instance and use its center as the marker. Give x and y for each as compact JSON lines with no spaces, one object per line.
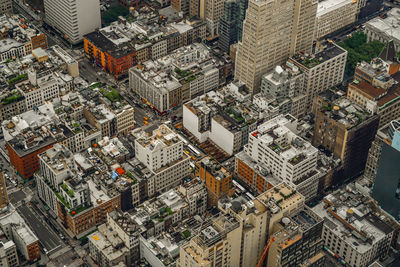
{"x":194,"y":151}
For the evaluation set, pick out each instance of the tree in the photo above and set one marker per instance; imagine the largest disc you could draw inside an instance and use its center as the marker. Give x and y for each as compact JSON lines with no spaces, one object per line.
{"x":114,"y":12}
{"x":359,"y":50}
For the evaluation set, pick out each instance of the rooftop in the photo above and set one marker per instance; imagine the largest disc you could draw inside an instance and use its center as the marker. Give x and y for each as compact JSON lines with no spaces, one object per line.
{"x":327,"y":6}
{"x":310,"y":61}
{"x":162,"y":137}
{"x":347,"y":213}
{"x":389,"y":26}
{"x":277,"y":134}
{"x":345,"y":112}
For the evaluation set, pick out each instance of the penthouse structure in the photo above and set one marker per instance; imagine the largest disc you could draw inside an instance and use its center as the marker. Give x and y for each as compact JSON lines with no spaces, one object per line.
{"x":346,"y":130}
{"x":322,"y":70}
{"x":351,"y":230}
{"x":286,"y":86}
{"x":18,"y":38}
{"x":285,"y":155}
{"x":162,"y":153}
{"x":333,"y":15}
{"x":174,"y":79}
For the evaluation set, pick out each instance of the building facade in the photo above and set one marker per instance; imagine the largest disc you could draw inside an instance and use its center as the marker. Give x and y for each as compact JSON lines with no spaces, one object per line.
{"x":267,"y":43}
{"x":73,"y":18}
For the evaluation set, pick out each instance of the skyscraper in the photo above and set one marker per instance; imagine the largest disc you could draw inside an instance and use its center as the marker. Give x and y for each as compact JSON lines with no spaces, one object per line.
{"x":74,"y":18}
{"x":231,"y":23}
{"x":272,"y":31}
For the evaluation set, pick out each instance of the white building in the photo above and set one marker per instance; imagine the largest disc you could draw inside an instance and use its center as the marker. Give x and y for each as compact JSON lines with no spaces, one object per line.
{"x":163,"y":154}
{"x":41,"y":86}
{"x":74,"y":18}
{"x":322,"y":70}
{"x":286,"y":155}
{"x":8,"y":254}
{"x":11,"y":49}
{"x":385,"y":29}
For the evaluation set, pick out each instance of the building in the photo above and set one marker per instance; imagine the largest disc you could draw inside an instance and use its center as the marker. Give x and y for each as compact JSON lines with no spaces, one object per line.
{"x":16,"y":229}
{"x":155,"y":230}
{"x":114,"y":58}
{"x":8,"y":254}
{"x":333,"y":15}
{"x":74,"y":18}
{"x":351,"y":230}
{"x":217,"y":243}
{"x":121,"y":45}
{"x":19,"y":38}
{"x":375,"y":90}
{"x":346,"y":130}
{"x":106,"y":248}
{"x":291,"y":235}
{"x":231,"y":23}
{"x":382,"y":160}
{"x":12,"y":104}
{"x":286,"y":156}
{"x":41,"y":86}
{"x":384,"y":29}
{"x":3,"y":192}
{"x":322,"y":70}
{"x":162,"y":153}
{"x":217,"y":179}
{"x":168,"y":82}
{"x":286,"y":85}
{"x":386,"y":135}
{"x":5,"y":6}
{"x":226,"y":123}
{"x":214,"y":10}
{"x":270,"y":42}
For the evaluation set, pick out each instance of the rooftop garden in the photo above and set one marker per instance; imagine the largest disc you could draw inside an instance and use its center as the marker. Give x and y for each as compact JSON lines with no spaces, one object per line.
{"x":183,"y":73}
{"x":310,"y":62}
{"x":11,"y":99}
{"x":70,"y":192}
{"x":96,"y":85}
{"x":186,"y":234}
{"x":62,"y":200}
{"x":17,"y":79}
{"x":113,"y":13}
{"x":238,"y":117}
{"x":111,"y":94}
{"x":78,"y":210}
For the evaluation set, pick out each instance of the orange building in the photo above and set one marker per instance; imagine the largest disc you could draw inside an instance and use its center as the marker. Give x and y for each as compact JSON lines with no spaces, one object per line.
{"x":113,"y":58}
{"x":252,"y":175}
{"x":33,"y":251}
{"x":80,"y":221}
{"x":24,"y":158}
{"x":217,"y":179}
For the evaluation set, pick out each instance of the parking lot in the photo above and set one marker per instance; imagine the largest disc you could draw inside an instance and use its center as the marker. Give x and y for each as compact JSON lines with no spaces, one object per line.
{"x":47,"y":237}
